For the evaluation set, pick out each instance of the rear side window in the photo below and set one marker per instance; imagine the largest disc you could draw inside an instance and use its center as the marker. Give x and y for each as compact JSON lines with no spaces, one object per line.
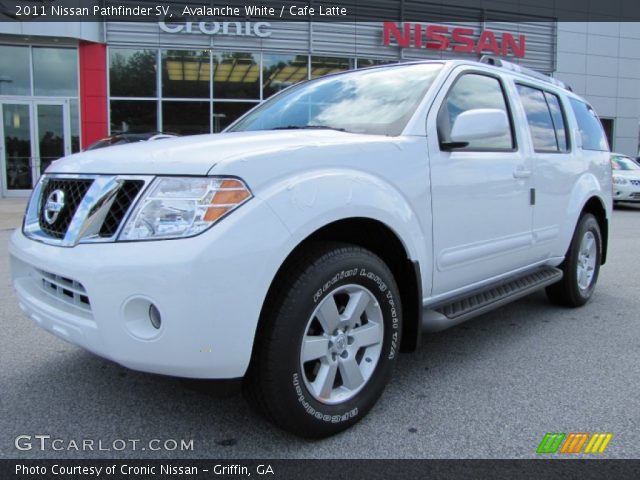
{"x":545,"y":118}
{"x":557,"y":115}
{"x":593,"y":137}
{"x":469,"y":92}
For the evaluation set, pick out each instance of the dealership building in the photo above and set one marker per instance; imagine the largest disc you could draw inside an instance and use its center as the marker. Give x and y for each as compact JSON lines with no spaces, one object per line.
{"x":65,"y":85}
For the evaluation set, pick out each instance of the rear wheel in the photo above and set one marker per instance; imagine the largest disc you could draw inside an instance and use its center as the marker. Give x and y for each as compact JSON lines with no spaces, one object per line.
{"x":328,"y":341}
{"x":581,"y":265}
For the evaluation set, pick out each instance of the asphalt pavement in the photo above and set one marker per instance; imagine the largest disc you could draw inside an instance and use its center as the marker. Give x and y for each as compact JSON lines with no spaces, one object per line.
{"x":490,"y":388}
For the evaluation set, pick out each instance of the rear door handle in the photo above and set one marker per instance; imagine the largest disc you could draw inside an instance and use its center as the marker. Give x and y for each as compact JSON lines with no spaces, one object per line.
{"x":521,"y":173}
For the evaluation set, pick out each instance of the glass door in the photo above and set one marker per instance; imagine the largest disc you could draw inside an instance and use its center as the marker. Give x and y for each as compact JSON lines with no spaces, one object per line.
{"x":33,"y":134}
{"x":16,"y":147}
{"x":52,"y":134}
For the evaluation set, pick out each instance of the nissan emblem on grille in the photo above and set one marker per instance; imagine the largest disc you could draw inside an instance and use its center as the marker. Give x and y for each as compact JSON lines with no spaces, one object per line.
{"x":53,"y":207}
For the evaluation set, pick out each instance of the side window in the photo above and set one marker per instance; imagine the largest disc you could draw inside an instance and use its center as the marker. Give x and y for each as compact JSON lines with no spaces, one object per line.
{"x":593,"y":137}
{"x":557,"y":116}
{"x":546,"y":122}
{"x":469,"y":92}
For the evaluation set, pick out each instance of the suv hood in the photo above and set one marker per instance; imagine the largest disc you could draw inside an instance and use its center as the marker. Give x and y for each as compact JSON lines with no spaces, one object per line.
{"x":198,"y":154}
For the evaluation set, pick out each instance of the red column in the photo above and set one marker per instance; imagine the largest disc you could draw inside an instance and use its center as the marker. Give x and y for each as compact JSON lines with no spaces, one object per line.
{"x":94,"y":112}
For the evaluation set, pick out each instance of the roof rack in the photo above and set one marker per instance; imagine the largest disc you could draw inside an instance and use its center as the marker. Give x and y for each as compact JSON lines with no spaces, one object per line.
{"x":498,"y":62}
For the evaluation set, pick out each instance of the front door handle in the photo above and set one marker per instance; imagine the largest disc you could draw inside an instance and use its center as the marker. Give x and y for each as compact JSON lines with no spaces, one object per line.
{"x":521,"y":173}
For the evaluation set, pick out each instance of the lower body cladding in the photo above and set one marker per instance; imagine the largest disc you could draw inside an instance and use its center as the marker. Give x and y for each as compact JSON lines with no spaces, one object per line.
{"x":626,"y":193}
{"x":185,"y":307}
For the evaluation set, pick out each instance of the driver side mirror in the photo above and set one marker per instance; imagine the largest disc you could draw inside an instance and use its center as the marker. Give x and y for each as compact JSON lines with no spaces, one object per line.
{"x":477,"y":124}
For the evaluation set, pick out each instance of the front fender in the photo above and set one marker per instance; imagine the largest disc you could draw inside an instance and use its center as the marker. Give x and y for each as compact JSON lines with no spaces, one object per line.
{"x":307,"y":202}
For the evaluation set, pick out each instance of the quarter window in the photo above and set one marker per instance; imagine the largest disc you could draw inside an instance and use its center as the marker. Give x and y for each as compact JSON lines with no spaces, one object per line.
{"x":591,"y":130}
{"x":545,"y":119}
{"x":472,"y":91}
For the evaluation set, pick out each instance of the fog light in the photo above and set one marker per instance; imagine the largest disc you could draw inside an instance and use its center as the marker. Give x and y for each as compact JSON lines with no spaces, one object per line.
{"x":154,"y":316}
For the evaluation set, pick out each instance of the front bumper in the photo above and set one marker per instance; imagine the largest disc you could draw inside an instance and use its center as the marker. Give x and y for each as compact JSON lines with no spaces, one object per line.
{"x":626,"y":193}
{"x":209,"y":290}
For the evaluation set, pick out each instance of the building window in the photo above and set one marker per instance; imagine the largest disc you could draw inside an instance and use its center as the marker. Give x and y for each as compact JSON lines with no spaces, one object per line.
{"x":372,"y":62}
{"x":51,"y":134}
{"x":132,"y":73}
{"x":75,"y":125}
{"x":135,"y":116}
{"x":607,"y":125}
{"x":185,"y":118}
{"x":325,"y":65}
{"x":228,"y":83}
{"x":186,"y":73}
{"x":14,"y":70}
{"x":55,"y":72}
{"x":17,"y":144}
{"x":224,"y":113}
{"x":236,"y":75}
{"x":281,"y":71}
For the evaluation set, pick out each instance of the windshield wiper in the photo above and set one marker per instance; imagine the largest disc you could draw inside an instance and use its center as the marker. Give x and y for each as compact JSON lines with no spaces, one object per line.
{"x":309,"y":127}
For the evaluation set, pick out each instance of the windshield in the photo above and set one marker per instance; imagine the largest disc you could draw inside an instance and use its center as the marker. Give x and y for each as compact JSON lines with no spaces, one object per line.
{"x":623,"y":163}
{"x":377,"y":101}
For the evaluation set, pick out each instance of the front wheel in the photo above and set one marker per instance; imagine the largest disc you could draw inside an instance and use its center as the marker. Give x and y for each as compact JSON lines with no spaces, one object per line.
{"x":581,"y":265}
{"x":327,"y":342}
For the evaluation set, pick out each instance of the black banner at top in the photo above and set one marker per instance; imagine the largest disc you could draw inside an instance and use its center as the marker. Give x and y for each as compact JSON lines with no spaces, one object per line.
{"x":320,"y":10}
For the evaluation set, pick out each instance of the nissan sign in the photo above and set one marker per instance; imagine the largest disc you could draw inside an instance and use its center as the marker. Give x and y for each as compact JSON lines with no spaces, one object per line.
{"x":457,"y":39}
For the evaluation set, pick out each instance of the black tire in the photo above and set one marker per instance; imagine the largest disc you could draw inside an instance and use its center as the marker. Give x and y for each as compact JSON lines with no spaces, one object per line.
{"x":568,"y":292}
{"x":276,"y":383}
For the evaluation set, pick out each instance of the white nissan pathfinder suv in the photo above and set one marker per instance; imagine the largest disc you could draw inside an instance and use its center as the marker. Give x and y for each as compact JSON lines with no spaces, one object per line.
{"x":323,"y":232}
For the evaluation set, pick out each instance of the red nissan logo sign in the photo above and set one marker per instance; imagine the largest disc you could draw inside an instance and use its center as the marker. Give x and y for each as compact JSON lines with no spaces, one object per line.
{"x":457,"y":39}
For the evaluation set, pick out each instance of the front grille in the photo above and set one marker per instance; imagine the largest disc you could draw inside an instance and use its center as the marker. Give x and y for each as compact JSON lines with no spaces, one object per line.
{"x":635,"y":182}
{"x":635,"y":196}
{"x":96,"y":206}
{"x":65,"y":289}
{"x":124,"y":198}
{"x":74,"y":191}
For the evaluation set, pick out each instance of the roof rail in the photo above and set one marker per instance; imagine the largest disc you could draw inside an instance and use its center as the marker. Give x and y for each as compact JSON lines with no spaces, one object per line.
{"x":498,"y":62}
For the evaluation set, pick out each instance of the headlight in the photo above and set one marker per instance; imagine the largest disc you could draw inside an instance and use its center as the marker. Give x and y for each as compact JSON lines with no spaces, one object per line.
{"x":620,"y":180}
{"x":177,"y":207}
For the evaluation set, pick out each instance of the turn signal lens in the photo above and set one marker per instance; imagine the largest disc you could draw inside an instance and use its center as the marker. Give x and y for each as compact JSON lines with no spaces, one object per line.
{"x":229,"y":195}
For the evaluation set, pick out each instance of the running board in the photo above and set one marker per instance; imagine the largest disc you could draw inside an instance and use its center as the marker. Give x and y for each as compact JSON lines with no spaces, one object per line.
{"x":451,"y":312}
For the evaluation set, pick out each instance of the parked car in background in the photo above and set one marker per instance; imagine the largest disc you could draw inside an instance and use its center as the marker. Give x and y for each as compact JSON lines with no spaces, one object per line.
{"x":122,"y":138}
{"x":626,"y":178}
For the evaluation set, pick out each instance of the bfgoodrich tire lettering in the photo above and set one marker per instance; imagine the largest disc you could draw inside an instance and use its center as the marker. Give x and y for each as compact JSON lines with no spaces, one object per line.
{"x":581,"y":265}
{"x":281,"y":377}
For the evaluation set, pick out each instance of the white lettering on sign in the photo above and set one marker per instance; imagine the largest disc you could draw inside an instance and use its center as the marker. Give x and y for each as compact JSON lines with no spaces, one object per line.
{"x":246,"y":29}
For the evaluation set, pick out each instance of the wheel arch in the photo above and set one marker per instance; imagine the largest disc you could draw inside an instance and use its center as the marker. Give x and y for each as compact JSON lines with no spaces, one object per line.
{"x":380,"y":239}
{"x":596,"y":207}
